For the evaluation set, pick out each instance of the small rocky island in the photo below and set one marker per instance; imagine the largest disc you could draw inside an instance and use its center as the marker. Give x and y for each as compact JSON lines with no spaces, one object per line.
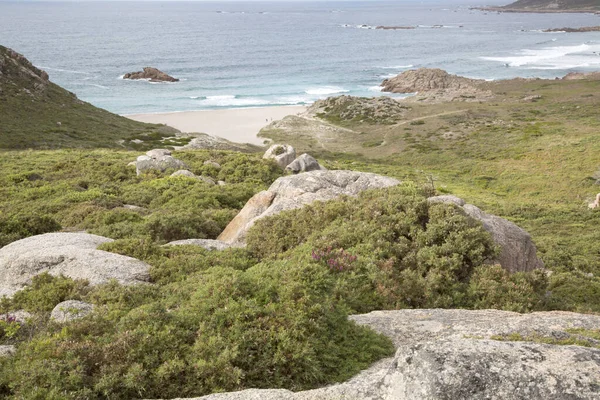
{"x":151,"y":74}
{"x":575,"y":30}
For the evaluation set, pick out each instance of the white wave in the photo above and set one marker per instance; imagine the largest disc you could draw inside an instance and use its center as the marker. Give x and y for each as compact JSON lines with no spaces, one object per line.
{"x":375,"y":88}
{"x":559,"y":57}
{"x":63,"y":70}
{"x":397,"y":67}
{"x":326,"y":90}
{"x":387,"y":76}
{"x":98,"y":86}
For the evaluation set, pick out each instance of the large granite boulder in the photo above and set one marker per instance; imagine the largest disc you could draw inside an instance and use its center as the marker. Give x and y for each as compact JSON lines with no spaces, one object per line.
{"x":450,"y":355}
{"x":517,"y":251}
{"x":295,"y":191}
{"x":283,"y":154}
{"x":74,"y":255}
{"x":150,"y":74}
{"x":70,"y":310}
{"x":158,"y":159}
{"x":304,"y":163}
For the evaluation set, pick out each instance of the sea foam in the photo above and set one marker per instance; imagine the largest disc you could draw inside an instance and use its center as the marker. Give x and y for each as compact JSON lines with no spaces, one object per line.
{"x":559,"y":57}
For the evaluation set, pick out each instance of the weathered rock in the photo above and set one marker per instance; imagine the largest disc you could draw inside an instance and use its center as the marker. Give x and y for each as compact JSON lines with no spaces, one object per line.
{"x":70,"y":310}
{"x":186,"y":173}
{"x":134,"y":208}
{"x":74,"y":255}
{"x":436,"y":85}
{"x":449,"y":355}
{"x":151,"y":74}
{"x":7,"y":350}
{"x":596,"y":203}
{"x":295,"y":191}
{"x":213,"y":164}
{"x":304,"y":163}
{"x":16,"y":70}
{"x":283,"y":154}
{"x":208,"y":244}
{"x":20,"y":316}
{"x":517,"y":251}
{"x":157,"y":153}
{"x":158,"y":159}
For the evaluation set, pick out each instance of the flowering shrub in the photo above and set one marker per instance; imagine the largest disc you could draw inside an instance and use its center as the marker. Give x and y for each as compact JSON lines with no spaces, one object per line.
{"x":336,"y":259}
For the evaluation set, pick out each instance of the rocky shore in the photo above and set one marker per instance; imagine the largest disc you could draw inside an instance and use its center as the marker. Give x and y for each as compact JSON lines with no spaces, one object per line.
{"x":546,"y":6}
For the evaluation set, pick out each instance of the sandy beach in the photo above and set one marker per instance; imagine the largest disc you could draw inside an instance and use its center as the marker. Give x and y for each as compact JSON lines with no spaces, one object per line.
{"x":237,"y":125}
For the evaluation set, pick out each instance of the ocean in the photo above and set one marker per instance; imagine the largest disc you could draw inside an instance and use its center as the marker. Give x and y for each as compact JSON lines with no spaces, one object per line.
{"x":254,"y":54}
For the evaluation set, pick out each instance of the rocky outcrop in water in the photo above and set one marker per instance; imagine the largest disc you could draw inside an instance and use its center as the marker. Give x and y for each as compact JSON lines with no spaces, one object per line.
{"x":575,"y":30}
{"x":436,"y":85}
{"x":452,"y":355}
{"x":517,"y":251}
{"x":73,"y":255}
{"x":150,"y":74}
{"x":295,"y":191}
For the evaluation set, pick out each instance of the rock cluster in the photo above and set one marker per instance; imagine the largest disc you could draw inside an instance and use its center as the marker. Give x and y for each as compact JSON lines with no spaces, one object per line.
{"x":73,"y":255}
{"x":436,"y":85}
{"x":451,"y":354}
{"x":574,"y":30}
{"x":16,"y":70}
{"x":151,"y":74}
{"x":282,"y":154}
{"x":295,"y":191}
{"x":158,"y":159}
{"x":517,"y":251}
{"x":380,"y":109}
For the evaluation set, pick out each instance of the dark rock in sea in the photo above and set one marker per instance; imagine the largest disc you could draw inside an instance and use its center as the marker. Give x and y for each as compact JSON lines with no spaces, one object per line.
{"x":151,"y":74}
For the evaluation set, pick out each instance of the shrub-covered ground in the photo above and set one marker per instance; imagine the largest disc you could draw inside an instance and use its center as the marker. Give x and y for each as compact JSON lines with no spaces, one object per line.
{"x":269,"y":315}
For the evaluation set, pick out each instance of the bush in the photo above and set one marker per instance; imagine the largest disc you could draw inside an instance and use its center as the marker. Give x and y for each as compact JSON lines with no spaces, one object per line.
{"x":20,"y":226}
{"x":396,"y":249}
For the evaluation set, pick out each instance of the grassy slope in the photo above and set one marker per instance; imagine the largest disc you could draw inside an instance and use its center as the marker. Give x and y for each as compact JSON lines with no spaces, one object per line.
{"x":30,"y":120}
{"x":549,"y":5}
{"x":531,"y":162}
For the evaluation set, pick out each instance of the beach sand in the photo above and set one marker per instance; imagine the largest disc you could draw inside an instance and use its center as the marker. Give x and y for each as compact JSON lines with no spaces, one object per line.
{"x":236,"y":125}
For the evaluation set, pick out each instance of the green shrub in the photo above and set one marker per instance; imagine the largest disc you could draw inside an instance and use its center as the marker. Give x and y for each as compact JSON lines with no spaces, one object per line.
{"x":46,"y":291}
{"x":20,"y":226}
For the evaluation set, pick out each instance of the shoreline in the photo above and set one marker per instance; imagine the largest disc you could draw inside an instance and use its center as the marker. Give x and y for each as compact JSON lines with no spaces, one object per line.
{"x":239,"y":125}
{"x":533,"y":11}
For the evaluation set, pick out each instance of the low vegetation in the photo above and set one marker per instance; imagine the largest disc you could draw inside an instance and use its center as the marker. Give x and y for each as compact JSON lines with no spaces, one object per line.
{"x":274,"y":314}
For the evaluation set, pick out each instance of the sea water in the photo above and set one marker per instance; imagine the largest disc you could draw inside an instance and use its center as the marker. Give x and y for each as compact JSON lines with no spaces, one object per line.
{"x":253,"y":54}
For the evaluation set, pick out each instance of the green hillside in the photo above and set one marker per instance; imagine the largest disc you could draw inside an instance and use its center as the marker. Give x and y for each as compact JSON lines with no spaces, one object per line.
{"x":36,"y":113}
{"x":567,"y":5}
